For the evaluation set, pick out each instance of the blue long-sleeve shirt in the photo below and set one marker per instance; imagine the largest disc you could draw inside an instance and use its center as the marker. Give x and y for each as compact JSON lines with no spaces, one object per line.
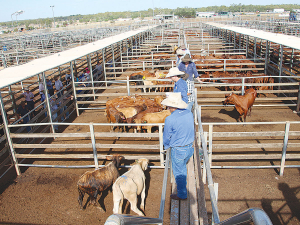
{"x":179,"y":129}
{"x":181,"y":86}
{"x":49,"y":85}
{"x":190,"y":70}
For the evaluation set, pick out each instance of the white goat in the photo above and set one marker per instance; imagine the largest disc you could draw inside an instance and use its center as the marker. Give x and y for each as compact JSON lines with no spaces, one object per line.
{"x":129,"y":186}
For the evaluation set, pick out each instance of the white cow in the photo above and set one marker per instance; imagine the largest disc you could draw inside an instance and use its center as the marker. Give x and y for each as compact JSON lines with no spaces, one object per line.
{"x":129,"y":186}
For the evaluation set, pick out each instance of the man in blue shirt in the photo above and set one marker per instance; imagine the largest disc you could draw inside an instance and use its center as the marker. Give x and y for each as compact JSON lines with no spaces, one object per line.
{"x":21,"y":112}
{"x":179,"y":136}
{"x":188,"y":66}
{"x":49,"y":86}
{"x":180,"y":84}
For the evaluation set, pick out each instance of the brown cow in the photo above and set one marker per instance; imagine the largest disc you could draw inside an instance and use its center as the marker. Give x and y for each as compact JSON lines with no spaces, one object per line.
{"x":94,"y":182}
{"x":114,"y":116}
{"x":138,"y":117}
{"x":158,"y":99}
{"x":158,"y":117}
{"x":242,"y":102}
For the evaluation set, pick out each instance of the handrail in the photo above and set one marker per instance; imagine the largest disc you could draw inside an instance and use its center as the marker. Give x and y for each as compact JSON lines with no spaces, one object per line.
{"x":256,"y":215}
{"x":120,"y":219}
{"x":213,"y":198}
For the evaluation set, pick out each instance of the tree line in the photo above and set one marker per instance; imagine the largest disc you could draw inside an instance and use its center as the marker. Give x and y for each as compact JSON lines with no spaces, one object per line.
{"x":111,"y":16}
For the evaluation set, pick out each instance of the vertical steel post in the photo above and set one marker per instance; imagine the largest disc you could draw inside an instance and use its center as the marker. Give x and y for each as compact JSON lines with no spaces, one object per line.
{"x":161,"y":145}
{"x":104,"y":67}
{"x":240,"y":42}
{"x":285,"y":143}
{"x":243,"y":85}
{"x":292,"y":59}
{"x":74,"y":87}
{"x":113,"y":58}
{"x":247,"y":46}
{"x":48,"y":102}
{"x":13,"y":101}
{"x":298,"y":100}
{"x":121,"y":55}
{"x":267,"y":57}
{"x":210,"y":147}
{"x":94,"y":145}
{"x":92,"y":76}
{"x":280,"y":64}
{"x":254,"y":50}
{"x":128,"y":87}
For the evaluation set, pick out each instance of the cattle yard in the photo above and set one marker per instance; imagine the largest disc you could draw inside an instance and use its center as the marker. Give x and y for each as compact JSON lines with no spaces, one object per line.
{"x":244,"y":165}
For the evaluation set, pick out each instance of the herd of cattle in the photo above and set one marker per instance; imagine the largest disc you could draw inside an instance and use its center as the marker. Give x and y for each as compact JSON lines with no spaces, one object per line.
{"x":136,"y":109}
{"x":211,"y":69}
{"x":148,"y":78}
{"x":128,"y":186}
{"x":237,"y":66}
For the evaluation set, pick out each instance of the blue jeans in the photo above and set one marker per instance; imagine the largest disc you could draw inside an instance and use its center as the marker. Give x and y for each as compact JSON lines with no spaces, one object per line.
{"x":54,"y":116}
{"x":180,"y":157}
{"x":61,"y":112}
{"x":25,"y":120}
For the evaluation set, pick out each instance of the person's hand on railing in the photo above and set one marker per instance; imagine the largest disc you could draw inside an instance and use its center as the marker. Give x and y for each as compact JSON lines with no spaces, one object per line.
{"x":200,"y":81}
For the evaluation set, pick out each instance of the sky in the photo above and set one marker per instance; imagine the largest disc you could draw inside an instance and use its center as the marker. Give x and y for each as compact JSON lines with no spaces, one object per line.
{"x":34,"y":9}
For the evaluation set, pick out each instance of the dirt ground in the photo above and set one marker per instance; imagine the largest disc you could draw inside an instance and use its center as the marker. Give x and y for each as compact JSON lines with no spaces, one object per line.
{"x":49,"y":195}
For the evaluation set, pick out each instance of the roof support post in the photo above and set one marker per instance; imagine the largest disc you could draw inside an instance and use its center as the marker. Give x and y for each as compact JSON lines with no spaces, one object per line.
{"x":127,"y":49}
{"x":91,"y":75}
{"x":48,"y":102}
{"x":7,"y":132}
{"x":74,"y":87}
{"x":121,"y":54}
{"x":113,"y":57}
{"x":247,"y":46}
{"x":240,"y":42}
{"x":292,"y":60}
{"x":254,"y":49}
{"x":280,"y":64}
{"x":260,"y":48}
{"x":131,"y":45}
{"x":103,"y":65}
{"x":267,"y":57}
{"x":298,"y":100}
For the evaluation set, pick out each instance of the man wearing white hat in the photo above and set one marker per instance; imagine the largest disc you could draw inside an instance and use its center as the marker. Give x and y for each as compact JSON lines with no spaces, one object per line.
{"x":179,"y":136}
{"x":180,"y":54}
{"x":180,"y":84}
{"x":188,"y":66}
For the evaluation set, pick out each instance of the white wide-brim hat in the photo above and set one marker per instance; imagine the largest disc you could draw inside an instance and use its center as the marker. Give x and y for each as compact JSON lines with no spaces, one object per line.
{"x":174,"y":100}
{"x":180,"y":52}
{"x":174,"y":72}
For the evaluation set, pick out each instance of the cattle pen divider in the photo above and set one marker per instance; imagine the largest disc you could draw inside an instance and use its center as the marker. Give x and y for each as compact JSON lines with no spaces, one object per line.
{"x":92,"y":135}
{"x":282,"y":145}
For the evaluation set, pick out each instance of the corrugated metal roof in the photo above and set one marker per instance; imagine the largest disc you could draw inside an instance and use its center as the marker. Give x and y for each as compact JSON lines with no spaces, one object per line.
{"x":282,"y":39}
{"x":16,"y":74}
